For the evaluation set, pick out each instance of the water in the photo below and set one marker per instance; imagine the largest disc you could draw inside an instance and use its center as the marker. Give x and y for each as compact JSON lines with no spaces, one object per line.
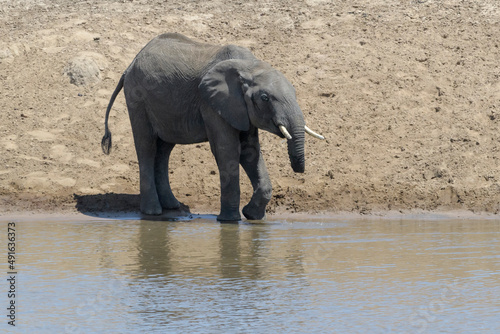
{"x":199,"y":276}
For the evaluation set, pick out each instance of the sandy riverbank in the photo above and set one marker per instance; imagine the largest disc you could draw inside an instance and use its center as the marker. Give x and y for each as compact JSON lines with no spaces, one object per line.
{"x":406,"y":92}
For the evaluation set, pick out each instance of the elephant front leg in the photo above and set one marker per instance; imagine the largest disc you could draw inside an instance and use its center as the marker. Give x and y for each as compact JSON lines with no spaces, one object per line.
{"x":229,"y":171}
{"x":225,"y":145}
{"x":253,"y":164}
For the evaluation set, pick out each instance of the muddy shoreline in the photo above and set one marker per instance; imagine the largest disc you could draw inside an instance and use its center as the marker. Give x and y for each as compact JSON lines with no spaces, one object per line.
{"x":283,"y":217}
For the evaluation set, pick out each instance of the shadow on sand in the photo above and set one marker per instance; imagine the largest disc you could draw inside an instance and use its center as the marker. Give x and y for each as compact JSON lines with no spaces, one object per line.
{"x":123,"y":205}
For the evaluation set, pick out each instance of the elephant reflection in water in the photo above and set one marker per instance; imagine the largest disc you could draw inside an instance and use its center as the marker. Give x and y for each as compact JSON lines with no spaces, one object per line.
{"x":179,"y":91}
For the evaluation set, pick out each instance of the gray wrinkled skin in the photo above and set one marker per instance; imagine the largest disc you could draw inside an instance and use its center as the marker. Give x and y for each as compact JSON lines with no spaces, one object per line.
{"x":179,"y":91}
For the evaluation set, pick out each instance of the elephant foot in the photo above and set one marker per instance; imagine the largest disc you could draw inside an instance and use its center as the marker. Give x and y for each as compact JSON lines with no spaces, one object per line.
{"x":170,"y":204}
{"x":227,"y":217}
{"x":151,"y":208}
{"x":252,"y":212}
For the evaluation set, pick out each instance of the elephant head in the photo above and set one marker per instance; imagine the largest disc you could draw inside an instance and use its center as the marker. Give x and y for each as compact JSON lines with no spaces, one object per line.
{"x":250,"y":92}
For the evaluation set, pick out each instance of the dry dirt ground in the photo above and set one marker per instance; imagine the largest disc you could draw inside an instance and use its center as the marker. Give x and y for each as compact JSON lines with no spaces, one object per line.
{"x":406,"y":92}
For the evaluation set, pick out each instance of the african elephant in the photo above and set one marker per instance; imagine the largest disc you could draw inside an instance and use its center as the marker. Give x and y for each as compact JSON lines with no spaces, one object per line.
{"x":179,"y":91}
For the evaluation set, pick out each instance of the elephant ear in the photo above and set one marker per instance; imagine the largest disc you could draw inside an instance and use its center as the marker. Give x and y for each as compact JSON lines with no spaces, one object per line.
{"x":224,"y":87}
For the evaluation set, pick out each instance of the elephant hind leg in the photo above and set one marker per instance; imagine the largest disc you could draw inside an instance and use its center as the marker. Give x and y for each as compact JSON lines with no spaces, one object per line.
{"x":165,"y":195}
{"x":146,"y":151}
{"x":145,"y":146}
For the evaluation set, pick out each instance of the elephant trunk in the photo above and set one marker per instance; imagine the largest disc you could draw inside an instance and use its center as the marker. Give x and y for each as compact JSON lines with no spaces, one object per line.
{"x":296,"y":148}
{"x":290,"y":123}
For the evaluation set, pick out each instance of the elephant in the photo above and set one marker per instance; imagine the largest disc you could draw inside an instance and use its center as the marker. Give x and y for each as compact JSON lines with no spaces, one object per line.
{"x":180,"y":91}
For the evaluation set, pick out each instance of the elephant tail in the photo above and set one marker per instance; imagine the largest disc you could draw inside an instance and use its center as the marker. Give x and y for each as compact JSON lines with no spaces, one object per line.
{"x":106,"y":140}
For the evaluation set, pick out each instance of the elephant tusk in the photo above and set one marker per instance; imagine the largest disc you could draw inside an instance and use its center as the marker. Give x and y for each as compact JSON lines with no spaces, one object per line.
{"x":285,"y":132}
{"x":312,"y":133}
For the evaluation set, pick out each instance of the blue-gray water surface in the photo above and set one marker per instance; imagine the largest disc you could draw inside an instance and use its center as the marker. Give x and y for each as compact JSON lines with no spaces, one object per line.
{"x":281,"y":276}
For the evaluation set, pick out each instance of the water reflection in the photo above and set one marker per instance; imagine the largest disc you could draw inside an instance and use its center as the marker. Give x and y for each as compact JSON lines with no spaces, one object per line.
{"x":202,"y":276}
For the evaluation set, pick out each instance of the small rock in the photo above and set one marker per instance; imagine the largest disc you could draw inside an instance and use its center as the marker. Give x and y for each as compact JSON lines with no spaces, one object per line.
{"x":83,"y":71}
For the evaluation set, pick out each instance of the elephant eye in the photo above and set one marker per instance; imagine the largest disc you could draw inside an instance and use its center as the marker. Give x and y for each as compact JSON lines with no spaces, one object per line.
{"x":264,"y":97}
